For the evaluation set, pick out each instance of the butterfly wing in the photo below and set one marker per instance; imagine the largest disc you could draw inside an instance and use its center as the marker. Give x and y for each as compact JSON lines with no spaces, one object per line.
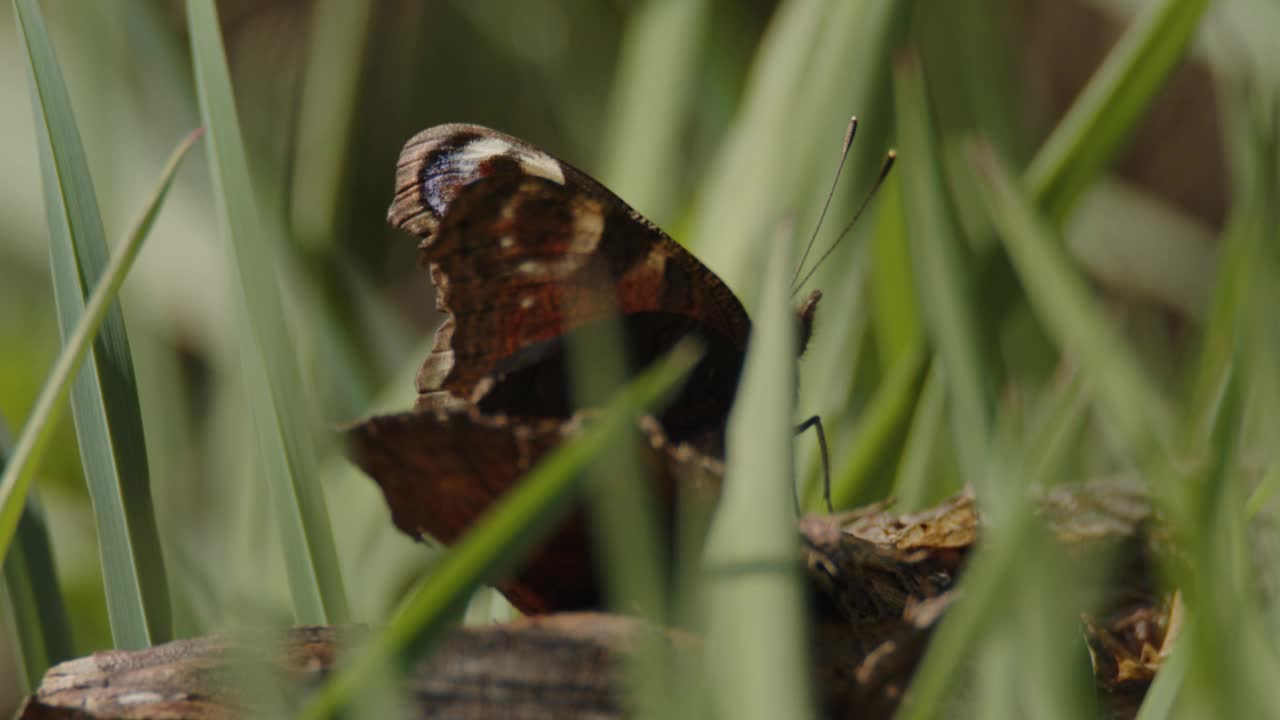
{"x":524,"y":249}
{"x":440,"y":472}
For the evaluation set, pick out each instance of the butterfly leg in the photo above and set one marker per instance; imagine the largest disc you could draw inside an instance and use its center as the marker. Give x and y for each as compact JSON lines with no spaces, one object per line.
{"x":815,"y":422}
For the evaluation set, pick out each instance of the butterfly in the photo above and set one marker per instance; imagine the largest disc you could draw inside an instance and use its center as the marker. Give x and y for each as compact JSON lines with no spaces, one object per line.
{"x":529,"y":255}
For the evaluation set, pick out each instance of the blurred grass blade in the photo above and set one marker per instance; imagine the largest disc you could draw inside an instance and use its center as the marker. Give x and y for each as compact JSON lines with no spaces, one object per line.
{"x":281,"y":415}
{"x":625,"y":524}
{"x":104,"y":399}
{"x":1121,"y":388}
{"x":1106,"y":112}
{"x":337,"y":35}
{"x":42,"y":632}
{"x":740,"y":192}
{"x":943,"y":276}
{"x":917,"y":482}
{"x":818,"y":63}
{"x":653,"y":91}
{"x":867,"y":468}
{"x":42,"y":628}
{"x":1161,"y":698}
{"x":499,"y":542}
{"x":756,"y":634}
{"x":894,"y":304}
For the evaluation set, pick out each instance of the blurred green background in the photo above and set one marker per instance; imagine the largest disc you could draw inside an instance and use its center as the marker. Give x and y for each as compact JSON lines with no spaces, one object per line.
{"x":715,"y":118}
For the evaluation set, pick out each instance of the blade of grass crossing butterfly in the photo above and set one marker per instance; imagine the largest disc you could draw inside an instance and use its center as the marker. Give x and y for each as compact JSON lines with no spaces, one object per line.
{"x":756,"y":641}
{"x":625,"y":526}
{"x":520,"y":520}
{"x":282,"y":417}
{"x":105,"y":407}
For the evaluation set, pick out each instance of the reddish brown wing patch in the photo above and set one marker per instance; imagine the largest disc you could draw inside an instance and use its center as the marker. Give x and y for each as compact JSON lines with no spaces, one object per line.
{"x":520,"y":260}
{"x":440,"y":472}
{"x":524,"y":248}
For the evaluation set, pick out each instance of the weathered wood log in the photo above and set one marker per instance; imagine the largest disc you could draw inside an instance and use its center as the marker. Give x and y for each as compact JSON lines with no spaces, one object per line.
{"x":880,"y":582}
{"x":562,"y":666}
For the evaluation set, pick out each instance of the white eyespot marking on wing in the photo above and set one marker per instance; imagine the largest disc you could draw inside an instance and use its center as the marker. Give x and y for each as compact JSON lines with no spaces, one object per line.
{"x":532,"y":162}
{"x":527,"y":302}
{"x":482,"y":149}
{"x":542,"y":165}
{"x":506,"y":242}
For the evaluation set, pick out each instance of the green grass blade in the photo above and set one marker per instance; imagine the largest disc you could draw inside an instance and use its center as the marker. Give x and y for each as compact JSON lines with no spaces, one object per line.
{"x":108,"y":419}
{"x":42,"y":632}
{"x":497,"y":544}
{"x":1106,"y":112}
{"x":756,"y":638}
{"x":32,"y":596}
{"x":943,"y":278}
{"x":817,"y":64}
{"x":625,"y":523}
{"x":653,"y":93}
{"x":894,"y":305}
{"x":1134,"y":407}
{"x":740,"y":197}
{"x":867,"y":468}
{"x":917,"y":482}
{"x":20,"y":471}
{"x":1161,"y":698}
{"x":337,"y":35}
{"x":280,"y":413}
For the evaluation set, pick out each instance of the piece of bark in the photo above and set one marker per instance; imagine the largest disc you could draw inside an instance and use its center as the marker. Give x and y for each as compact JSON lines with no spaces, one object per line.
{"x":880,"y":583}
{"x":561,"y":666}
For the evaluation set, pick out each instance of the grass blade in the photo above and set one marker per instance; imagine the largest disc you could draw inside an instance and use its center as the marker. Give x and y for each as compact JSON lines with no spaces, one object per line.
{"x":280,"y":414}
{"x":944,"y":281}
{"x":785,"y":129}
{"x":1106,"y":112}
{"x":514,"y":526}
{"x":30,"y":592}
{"x":1134,"y":408}
{"x":338,"y":33}
{"x":881,"y":433}
{"x":756,"y":647}
{"x":649,"y":110}
{"x":108,"y":419}
{"x":20,"y":471}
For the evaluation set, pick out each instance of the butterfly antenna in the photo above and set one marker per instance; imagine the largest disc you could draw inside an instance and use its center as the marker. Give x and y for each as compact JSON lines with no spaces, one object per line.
{"x":844,"y":155}
{"x":885,"y":167}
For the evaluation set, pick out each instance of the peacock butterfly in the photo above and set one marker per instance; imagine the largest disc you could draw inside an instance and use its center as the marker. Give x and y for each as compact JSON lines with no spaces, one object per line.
{"x":527,"y":253}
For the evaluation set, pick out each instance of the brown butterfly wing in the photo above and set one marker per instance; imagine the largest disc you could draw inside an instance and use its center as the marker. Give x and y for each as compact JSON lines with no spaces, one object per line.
{"x":440,"y":472}
{"x":524,"y":249}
